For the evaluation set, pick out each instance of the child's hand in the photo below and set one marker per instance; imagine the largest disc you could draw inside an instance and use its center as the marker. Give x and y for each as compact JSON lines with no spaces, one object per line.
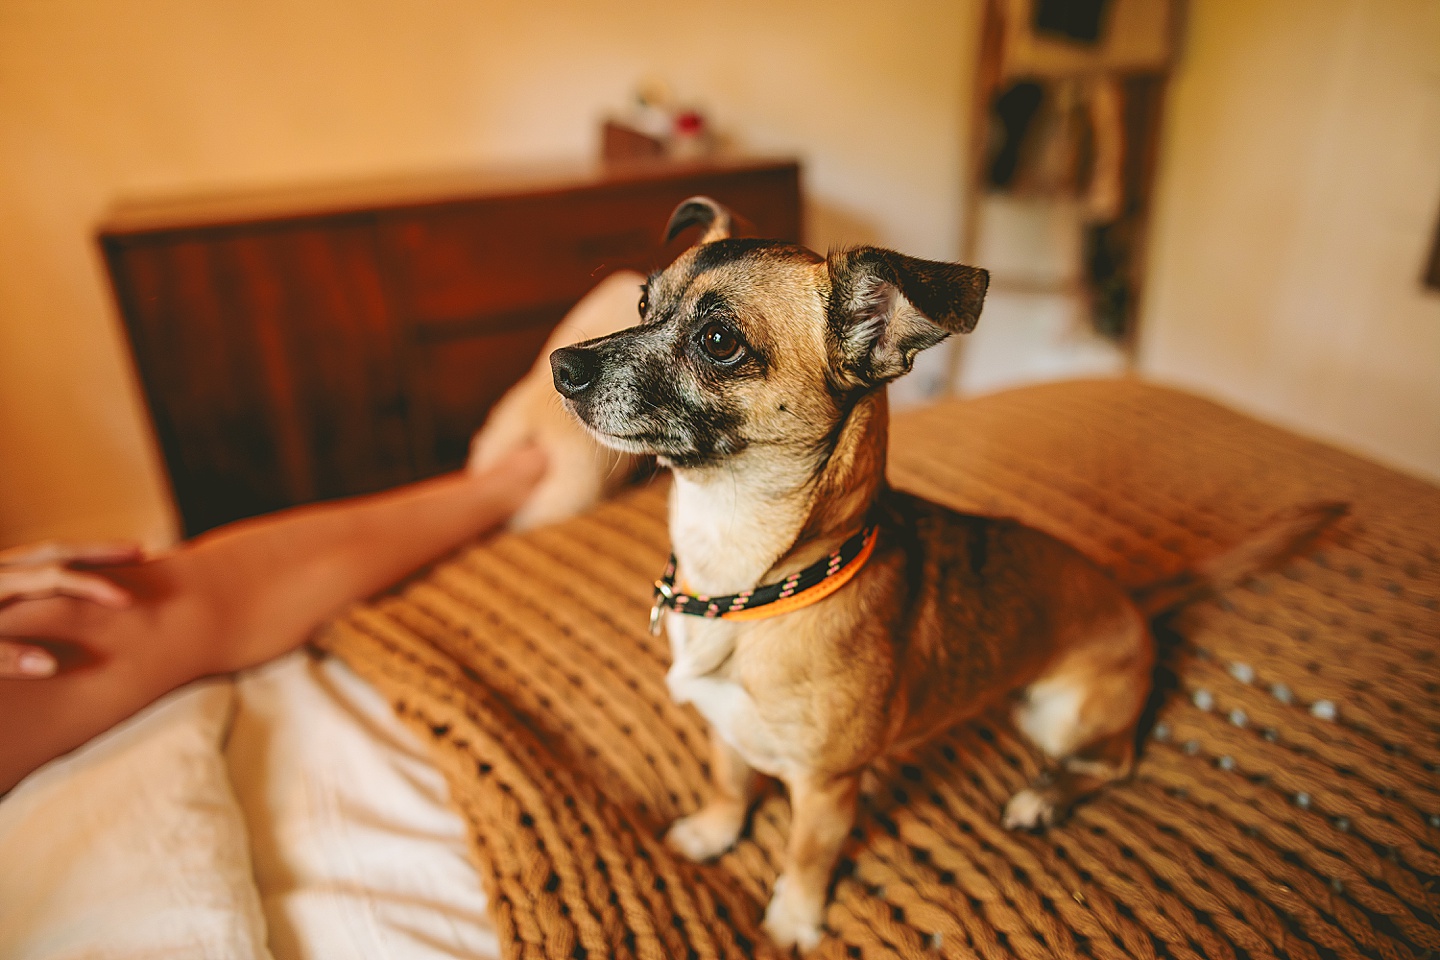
{"x":45,"y":570}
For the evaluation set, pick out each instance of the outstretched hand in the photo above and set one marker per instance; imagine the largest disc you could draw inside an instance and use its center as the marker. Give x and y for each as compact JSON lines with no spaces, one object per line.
{"x":49,"y":570}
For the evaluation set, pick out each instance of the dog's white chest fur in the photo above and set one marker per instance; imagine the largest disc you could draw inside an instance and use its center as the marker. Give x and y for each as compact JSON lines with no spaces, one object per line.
{"x":700,"y":672}
{"x":725,"y":545}
{"x":704,"y":672}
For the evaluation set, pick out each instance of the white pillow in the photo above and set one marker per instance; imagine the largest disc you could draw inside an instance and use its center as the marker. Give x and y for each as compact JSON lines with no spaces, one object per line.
{"x":133,"y":845}
{"x":357,"y":852}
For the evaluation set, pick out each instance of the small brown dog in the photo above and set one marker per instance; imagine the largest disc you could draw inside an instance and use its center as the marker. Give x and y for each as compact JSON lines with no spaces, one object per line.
{"x":831,"y":620}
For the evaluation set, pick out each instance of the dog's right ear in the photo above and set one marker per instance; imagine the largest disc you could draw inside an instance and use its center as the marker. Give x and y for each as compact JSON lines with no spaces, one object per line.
{"x":711,"y":216}
{"x":886,"y":307}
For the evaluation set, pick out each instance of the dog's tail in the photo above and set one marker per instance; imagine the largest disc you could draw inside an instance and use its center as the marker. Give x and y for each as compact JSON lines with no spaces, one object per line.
{"x":1282,"y":536}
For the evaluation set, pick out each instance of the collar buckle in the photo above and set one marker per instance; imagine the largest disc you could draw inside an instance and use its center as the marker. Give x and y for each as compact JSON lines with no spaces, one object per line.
{"x":664,"y":598}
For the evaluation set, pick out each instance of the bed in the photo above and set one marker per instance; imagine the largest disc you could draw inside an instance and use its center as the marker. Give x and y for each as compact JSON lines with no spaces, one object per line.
{"x":1286,"y":803}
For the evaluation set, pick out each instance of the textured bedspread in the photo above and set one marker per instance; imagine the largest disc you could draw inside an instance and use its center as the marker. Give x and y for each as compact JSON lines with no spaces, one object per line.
{"x":1287,"y":800}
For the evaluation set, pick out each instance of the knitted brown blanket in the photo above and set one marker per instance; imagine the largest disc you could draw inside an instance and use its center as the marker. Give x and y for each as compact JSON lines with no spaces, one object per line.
{"x":1286,"y":803}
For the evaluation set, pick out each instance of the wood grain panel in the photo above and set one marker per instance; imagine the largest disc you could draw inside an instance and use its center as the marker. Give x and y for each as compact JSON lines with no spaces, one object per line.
{"x":453,"y":263}
{"x":270,"y":366}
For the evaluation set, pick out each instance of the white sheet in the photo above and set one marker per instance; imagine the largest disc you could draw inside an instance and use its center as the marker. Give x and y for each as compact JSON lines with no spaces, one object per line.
{"x":141,"y":843}
{"x":356,"y":852}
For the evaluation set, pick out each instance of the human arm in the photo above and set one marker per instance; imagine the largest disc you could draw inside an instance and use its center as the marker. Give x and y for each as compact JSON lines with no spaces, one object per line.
{"x":230,"y":599}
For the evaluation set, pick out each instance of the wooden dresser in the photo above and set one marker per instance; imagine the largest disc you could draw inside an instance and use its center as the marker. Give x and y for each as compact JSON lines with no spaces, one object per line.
{"x":302,"y":345}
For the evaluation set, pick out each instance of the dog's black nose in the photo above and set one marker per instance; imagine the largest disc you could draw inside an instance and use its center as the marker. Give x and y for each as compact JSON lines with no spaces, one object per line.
{"x":574,"y":370}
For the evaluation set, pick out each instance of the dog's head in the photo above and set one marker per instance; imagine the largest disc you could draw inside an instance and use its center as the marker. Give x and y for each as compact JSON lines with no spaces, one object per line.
{"x":750,"y":342}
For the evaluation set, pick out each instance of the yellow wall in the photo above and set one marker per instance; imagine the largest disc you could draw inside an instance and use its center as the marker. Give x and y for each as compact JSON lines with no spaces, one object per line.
{"x":101,"y":99}
{"x":1297,"y":195}
{"x":1297,"y":200}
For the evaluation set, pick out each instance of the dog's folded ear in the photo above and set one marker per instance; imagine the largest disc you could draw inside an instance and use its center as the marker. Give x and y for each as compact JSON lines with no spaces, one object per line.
{"x":886,"y":307}
{"x":714,"y":219}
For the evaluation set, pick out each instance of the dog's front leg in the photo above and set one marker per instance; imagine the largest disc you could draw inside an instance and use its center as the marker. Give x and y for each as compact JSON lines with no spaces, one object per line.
{"x":822,"y":811}
{"x":715,"y":827}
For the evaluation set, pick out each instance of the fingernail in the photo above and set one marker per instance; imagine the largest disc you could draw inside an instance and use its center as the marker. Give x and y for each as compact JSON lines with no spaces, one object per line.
{"x":33,"y":663}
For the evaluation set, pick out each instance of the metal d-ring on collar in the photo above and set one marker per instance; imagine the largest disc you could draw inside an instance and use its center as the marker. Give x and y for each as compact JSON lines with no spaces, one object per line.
{"x":814,"y":583}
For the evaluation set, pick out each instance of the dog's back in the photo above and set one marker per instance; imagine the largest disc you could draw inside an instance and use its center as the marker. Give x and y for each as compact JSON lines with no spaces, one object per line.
{"x":993,"y":605}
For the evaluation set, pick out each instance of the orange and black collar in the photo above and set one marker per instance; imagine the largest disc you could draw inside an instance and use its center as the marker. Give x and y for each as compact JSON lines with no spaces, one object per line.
{"x":814,"y":583}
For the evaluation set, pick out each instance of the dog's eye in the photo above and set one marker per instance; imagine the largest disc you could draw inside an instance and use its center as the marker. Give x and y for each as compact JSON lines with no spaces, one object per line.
{"x":719,"y":343}
{"x":644,"y":302}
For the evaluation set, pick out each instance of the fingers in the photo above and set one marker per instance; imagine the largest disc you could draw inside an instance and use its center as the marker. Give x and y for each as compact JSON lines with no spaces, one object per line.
{"x":521,"y":469}
{"x":529,"y":461}
{"x":42,"y":570}
{"x":511,"y":480}
{"x":22,"y":661}
{"x":34,"y":582}
{"x":91,"y":553}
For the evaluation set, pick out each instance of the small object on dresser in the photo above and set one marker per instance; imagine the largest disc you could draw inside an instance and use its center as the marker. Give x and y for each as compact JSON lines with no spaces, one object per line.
{"x":656,"y":127}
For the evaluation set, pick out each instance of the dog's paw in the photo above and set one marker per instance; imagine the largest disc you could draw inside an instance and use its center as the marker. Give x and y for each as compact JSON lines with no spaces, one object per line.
{"x":1028,"y":810}
{"x":792,"y":922}
{"x":706,"y":833}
